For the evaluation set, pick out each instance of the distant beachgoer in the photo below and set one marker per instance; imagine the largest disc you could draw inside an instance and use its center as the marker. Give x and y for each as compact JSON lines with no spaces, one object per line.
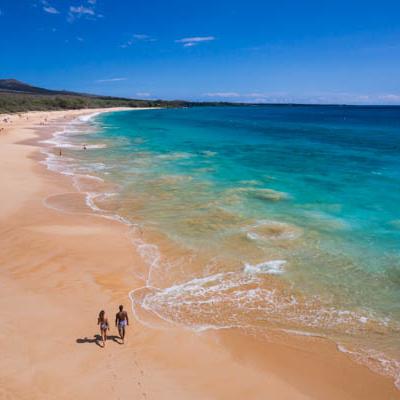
{"x":60,"y":153}
{"x":84,"y":147}
{"x":102,"y":321}
{"x":121,"y":321}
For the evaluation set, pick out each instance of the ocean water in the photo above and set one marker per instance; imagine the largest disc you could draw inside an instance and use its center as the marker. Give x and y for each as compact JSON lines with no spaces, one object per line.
{"x":266,"y":218}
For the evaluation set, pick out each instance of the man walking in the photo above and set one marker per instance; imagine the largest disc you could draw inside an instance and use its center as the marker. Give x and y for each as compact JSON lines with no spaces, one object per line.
{"x":121,"y":321}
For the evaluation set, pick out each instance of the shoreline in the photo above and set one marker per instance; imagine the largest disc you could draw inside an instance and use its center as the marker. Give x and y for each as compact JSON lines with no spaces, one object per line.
{"x":64,"y":273}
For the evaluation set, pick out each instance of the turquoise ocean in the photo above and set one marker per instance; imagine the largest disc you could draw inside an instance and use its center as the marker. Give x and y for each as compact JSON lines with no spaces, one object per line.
{"x":271,"y":219}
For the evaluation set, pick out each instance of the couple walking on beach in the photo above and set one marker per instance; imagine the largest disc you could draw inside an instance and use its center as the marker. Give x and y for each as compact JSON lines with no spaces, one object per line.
{"x":121,"y":321}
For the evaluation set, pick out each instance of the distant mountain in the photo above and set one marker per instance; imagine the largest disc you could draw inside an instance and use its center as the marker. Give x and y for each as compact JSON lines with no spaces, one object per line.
{"x":17,"y":96}
{"x":15,"y":86}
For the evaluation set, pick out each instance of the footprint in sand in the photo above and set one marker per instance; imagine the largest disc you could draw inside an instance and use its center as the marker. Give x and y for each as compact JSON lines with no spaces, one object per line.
{"x":113,"y":373}
{"x":141,"y":371}
{"x":138,"y":367}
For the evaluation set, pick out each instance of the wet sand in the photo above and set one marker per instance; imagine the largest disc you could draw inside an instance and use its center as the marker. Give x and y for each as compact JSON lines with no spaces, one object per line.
{"x":58,"y":269}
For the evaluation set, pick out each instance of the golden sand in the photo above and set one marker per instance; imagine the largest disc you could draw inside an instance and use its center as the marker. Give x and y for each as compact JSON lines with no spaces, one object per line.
{"x":60,"y":266}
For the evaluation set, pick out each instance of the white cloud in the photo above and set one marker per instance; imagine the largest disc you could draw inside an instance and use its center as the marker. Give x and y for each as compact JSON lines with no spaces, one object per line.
{"x":111,"y":80}
{"x":88,"y":12}
{"x":137,"y":37}
{"x":255,"y":95}
{"x":141,"y":36}
{"x":143,"y":94}
{"x":251,"y":97}
{"x":195,"y":40}
{"x":50,"y":10}
{"x":351,"y":98}
{"x":223,"y":94}
{"x":390,"y":97}
{"x":92,"y":1}
{"x":309,"y":98}
{"x":81,"y":10}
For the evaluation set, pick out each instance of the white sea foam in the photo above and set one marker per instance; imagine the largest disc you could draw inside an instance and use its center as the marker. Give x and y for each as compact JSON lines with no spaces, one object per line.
{"x":69,"y":167}
{"x":90,"y":202}
{"x":273,"y":267}
{"x":301,"y":333}
{"x":150,"y":254}
{"x":253,"y":236}
{"x":87,"y":118}
{"x":242,"y":293}
{"x":54,"y":164}
{"x":67,"y":145}
{"x":376,"y":361}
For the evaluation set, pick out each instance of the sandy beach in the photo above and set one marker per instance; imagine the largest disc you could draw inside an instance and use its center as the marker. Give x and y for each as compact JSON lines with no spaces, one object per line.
{"x":58,"y":269}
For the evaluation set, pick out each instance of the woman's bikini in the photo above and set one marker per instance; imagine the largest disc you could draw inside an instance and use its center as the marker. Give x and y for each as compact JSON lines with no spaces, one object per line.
{"x":104,"y":325}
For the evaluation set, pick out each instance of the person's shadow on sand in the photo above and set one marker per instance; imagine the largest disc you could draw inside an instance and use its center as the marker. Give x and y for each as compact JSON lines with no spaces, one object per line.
{"x":97,"y":339}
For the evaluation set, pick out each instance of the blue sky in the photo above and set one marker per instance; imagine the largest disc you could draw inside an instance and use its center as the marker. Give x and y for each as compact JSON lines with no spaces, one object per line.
{"x":261,"y":51}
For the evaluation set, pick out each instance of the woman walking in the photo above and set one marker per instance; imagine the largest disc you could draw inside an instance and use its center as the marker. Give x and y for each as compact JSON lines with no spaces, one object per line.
{"x":102,"y":321}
